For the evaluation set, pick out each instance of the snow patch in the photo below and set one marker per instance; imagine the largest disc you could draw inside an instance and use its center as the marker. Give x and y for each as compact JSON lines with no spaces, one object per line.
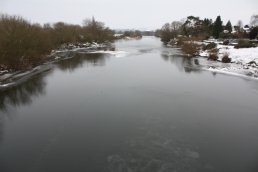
{"x":244,"y":61}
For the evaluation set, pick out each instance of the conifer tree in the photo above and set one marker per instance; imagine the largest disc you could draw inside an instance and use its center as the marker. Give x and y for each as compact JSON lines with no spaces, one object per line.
{"x":217,"y":27}
{"x":254,"y":33}
{"x":229,"y":26}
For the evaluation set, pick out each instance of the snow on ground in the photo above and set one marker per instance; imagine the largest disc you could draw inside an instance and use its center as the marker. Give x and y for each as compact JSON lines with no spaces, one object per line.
{"x":244,"y":61}
{"x":12,"y":79}
{"x":242,"y":55}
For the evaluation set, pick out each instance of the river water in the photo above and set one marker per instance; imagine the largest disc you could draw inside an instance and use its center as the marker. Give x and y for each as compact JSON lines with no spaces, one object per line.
{"x":145,"y":109}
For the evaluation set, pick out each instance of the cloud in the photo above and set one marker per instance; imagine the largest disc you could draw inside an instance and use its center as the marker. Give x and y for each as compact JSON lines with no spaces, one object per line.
{"x":2,"y":3}
{"x":149,"y":14}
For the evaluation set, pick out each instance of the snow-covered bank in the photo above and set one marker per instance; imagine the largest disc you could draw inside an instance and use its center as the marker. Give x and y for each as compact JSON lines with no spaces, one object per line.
{"x":242,"y":56}
{"x":244,"y":61}
{"x":10,"y":79}
{"x":227,"y":68}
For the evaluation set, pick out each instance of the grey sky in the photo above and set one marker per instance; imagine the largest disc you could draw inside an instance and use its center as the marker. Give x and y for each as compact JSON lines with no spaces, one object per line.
{"x":139,"y":14}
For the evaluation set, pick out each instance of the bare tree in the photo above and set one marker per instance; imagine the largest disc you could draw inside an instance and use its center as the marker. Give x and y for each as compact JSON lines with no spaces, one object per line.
{"x":254,"y":20}
{"x":176,"y":26}
{"x":92,"y":23}
{"x":240,"y":24}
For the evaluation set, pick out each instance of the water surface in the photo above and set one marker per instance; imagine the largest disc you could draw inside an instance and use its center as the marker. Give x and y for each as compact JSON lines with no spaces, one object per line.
{"x":148,"y":110}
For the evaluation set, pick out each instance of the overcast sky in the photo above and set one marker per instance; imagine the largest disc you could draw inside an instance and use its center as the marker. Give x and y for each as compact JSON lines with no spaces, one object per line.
{"x":121,"y":14}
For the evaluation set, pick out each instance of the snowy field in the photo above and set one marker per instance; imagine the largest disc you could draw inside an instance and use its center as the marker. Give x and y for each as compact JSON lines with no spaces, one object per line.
{"x":244,"y":61}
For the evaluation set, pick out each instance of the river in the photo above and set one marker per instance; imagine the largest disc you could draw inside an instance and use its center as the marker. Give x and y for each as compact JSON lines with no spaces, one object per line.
{"x":145,"y":109}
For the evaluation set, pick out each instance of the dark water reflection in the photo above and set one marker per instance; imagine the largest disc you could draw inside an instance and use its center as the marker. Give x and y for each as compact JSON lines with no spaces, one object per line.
{"x":150,"y":111}
{"x":81,"y":59}
{"x":23,"y":94}
{"x":182,"y":62}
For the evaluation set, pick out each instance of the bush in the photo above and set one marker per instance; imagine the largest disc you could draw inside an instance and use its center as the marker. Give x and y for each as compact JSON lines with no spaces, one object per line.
{"x":253,"y":63}
{"x":226,"y":59}
{"x":24,"y":45}
{"x":226,"y":42}
{"x":225,"y":35}
{"x":132,"y":34}
{"x":191,"y":49}
{"x":210,"y":46}
{"x":213,"y":57}
{"x":213,"y":54}
{"x":244,"y":44}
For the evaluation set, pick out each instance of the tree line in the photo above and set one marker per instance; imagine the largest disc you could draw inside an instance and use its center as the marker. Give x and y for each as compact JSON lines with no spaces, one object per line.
{"x":205,"y":28}
{"x":24,"y":44}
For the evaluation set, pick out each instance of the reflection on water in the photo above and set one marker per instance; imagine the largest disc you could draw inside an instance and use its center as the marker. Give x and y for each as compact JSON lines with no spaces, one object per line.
{"x":1,"y":127}
{"x":182,"y":62}
{"x":23,"y":94}
{"x":20,"y":95}
{"x":137,"y":114}
{"x":80,"y":59}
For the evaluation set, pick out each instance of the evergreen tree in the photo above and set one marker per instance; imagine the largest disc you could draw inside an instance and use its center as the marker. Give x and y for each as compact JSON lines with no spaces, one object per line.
{"x":217,"y":27}
{"x":229,"y":26}
{"x":254,"y":33}
{"x":207,"y":24}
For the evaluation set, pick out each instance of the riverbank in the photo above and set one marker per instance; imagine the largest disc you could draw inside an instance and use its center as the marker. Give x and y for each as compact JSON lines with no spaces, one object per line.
{"x":244,"y":61}
{"x":10,"y":78}
{"x":26,"y":45}
{"x":210,"y":54}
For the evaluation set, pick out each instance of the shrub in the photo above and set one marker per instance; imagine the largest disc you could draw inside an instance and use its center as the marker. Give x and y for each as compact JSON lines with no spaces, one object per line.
{"x":24,"y":45}
{"x":244,"y":44}
{"x":180,"y":41}
{"x":191,"y":49}
{"x":253,"y":63}
{"x":225,"y":35}
{"x":214,"y":51}
{"x":226,"y":42}
{"x":226,"y":59}
{"x":210,"y":46}
{"x":213,"y":54}
{"x":213,"y":57}
{"x":132,"y":34}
